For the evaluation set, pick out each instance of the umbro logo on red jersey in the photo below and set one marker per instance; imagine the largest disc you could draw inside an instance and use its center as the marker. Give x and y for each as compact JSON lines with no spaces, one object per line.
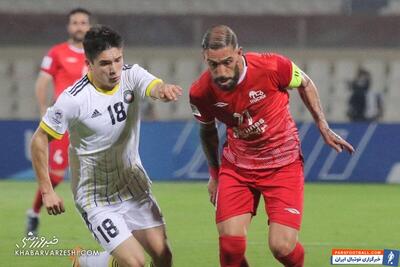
{"x":256,"y":96}
{"x":95,"y":114}
{"x":72,"y":59}
{"x":220,"y":104}
{"x":293,"y":210}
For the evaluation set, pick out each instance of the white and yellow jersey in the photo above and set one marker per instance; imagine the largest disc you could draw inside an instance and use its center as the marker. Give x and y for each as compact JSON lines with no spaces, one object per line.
{"x":104,"y":129}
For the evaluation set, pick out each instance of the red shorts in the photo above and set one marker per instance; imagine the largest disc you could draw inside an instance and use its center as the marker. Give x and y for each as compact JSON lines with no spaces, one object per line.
{"x":58,"y":153}
{"x":239,"y":192}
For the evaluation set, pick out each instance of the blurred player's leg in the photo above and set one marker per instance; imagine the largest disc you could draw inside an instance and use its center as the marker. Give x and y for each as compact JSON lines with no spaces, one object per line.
{"x":58,"y":163}
{"x":55,"y":180}
{"x":32,"y":224}
{"x":154,"y":241}
{"x":232,"y":240}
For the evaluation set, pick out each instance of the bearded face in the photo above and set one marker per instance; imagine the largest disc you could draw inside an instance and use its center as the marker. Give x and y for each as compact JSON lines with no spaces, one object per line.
{"x":224,"y":66}
{"x":78,"y":25}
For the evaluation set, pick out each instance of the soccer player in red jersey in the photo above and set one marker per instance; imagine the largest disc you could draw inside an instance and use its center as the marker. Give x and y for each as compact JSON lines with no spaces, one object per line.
{"x":62,"y":66}
{"x":248,"y":92}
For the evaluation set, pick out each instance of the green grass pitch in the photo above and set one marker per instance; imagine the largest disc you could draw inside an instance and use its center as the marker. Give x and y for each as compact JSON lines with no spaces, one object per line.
{"x":360,"y":216}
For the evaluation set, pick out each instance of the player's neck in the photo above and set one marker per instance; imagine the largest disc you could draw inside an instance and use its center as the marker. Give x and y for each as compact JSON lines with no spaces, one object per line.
{"x":78,"y":45}
{"x":101,"y":87}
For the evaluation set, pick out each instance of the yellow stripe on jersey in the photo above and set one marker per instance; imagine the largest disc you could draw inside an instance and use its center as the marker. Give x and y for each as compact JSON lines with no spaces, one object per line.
{"x":50,"y":131}
{"x":151,"y":86}
{"x":296,"y":77}
{"x":107,"y":92}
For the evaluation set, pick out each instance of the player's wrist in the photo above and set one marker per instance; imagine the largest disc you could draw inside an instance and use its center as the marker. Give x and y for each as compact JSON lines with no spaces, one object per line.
{"x":46,"y":190}
{"x":214,"y":172}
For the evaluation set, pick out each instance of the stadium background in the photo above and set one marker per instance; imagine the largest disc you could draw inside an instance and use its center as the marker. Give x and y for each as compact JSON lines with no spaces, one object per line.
{"x":329,"y":39}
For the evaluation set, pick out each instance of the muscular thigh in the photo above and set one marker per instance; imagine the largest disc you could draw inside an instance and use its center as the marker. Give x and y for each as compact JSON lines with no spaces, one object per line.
{"x":283,"y":190}
{"x":153,"y":240}
{"x":236,"y":194}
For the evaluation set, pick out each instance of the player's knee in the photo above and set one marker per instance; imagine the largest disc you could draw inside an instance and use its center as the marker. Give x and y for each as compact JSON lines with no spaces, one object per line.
{"x":232,"y":245}
{"x":133,"y":262}
{"x":281,"y":247}
{"x":163,"y":258}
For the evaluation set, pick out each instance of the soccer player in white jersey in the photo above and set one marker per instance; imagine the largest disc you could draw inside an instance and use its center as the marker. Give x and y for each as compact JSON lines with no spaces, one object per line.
{"x":111,"y":188}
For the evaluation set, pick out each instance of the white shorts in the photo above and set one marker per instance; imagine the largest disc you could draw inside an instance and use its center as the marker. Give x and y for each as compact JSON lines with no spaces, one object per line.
{"x":111,"y":225}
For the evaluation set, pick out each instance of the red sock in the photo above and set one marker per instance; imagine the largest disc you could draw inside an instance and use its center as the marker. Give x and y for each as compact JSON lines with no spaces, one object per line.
{"x":231,"y":251}
{"x":295,"y":258}
{"x":38,"y":203}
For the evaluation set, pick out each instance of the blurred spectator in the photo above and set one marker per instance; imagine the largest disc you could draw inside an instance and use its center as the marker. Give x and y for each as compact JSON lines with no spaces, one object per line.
{"x":364,"y":104}
{"x":358,"y":100}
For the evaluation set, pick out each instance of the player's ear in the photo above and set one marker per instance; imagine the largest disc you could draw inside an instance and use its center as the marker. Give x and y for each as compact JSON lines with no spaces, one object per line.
{"x":204,"y":54}
{"x":240,"y":51}
{"x":68,"y":26}
{"x":87,"y":62}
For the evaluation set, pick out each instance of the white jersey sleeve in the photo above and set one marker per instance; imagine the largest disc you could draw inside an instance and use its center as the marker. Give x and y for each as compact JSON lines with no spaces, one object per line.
{"x":59,"y":116}
{"x":141,"y":80}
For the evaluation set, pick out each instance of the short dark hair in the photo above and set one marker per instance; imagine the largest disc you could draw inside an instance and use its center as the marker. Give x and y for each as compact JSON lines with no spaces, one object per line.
{"x":100,"y":38}
{"x":219,"y":36}
{"x":79,"y":10}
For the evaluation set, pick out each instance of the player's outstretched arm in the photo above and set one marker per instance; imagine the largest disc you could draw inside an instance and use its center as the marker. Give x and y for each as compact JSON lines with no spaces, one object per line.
{"x":39,"y":152}
{"x":309,"y":94}
{"x":210,"y":143}
{"x":166,"y":92}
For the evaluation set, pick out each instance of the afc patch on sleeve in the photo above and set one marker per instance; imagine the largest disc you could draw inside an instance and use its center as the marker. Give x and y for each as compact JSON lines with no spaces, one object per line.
{"x":56,"y":118}
{"x":46,"y":62}
{"x":195,"y":110}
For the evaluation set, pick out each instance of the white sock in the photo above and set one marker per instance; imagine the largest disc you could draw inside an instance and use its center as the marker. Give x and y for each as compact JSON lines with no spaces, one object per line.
{"x":31,"y":213}
{"x":104,"y":259}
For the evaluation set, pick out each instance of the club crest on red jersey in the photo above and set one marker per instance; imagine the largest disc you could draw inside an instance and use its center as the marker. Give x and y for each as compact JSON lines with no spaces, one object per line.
{"x":256,"y":96}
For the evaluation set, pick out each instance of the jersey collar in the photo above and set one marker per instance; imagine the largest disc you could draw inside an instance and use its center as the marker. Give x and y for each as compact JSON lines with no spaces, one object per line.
{"x":103,"y":91}
{"x":76,"y":49}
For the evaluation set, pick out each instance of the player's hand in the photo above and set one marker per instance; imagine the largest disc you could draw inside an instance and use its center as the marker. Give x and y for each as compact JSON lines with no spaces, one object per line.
{"x":53,"y":203}
{"x":212,"y":189}
{"x":336,"y":141}
{"x":169,"y":92}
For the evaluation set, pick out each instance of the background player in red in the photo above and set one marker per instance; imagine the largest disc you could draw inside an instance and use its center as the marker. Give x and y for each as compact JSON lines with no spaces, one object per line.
{"x":262,"y":156}
{"x":62,"y":66}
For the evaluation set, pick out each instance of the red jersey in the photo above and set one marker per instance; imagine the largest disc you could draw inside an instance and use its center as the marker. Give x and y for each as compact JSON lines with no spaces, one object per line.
{"x":261,"y":132}
{"x":66,"y":64}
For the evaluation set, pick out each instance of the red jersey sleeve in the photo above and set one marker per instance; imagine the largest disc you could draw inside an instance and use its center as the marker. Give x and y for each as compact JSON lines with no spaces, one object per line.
{"x":49,"y":62}
{"x":281,"y":69}
{"x":200,"y":105}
